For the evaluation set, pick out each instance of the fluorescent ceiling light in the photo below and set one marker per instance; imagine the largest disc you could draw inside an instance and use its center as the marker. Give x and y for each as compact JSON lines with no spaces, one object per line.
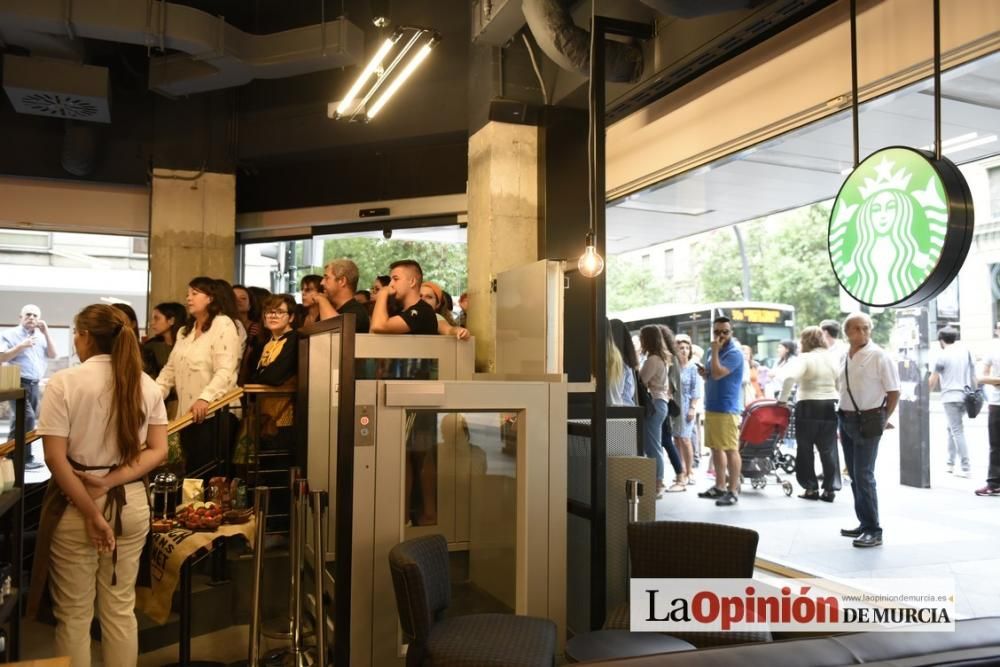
{"x":366,"y":73}
{"x":962,"y":141}
{"x":981,"y":141}
{"x":411,"y":66}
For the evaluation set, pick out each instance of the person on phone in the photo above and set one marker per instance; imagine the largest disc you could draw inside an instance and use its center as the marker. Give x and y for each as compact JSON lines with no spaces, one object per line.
{"x":869,"y":385}
{"x":723,"y":373}
{"x":29,"y":346}
{"x":104,"y":427}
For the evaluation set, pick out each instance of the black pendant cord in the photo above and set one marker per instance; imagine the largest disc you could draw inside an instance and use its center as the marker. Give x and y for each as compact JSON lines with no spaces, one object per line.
{"x":937,"y":79}
{"x":854,"y":82}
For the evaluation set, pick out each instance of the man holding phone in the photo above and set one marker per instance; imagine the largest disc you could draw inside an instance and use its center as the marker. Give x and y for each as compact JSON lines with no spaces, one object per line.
{"x":723,"y":373}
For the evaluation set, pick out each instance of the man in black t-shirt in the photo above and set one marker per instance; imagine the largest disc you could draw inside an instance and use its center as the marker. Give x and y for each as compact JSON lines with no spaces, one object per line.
{"x":340,"y":282}
{"x":415,"y":316}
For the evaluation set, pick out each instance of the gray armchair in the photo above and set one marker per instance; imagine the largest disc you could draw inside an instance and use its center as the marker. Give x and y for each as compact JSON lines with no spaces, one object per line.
{"x":422,"y":585}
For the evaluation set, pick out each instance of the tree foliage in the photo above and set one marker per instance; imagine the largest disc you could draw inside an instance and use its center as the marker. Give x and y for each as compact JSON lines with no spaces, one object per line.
{"x":443,"y":263}
{"x":788,"y":262}
{"x":630,"y":285}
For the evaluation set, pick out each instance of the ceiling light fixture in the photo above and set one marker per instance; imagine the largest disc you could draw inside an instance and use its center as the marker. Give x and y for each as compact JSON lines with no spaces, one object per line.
{"x":354,"y":105}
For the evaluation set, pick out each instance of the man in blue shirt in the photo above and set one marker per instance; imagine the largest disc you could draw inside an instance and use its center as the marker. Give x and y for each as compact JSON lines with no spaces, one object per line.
{"x":723,"y":373}
{"x":29,"y":346}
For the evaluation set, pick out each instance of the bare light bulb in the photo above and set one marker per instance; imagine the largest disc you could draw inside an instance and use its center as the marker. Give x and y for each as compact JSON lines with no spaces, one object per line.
{"x":591,"y":263}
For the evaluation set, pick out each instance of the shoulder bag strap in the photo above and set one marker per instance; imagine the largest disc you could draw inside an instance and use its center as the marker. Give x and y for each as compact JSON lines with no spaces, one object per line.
{"x":973,"y":383}
{"x":847,"y":379}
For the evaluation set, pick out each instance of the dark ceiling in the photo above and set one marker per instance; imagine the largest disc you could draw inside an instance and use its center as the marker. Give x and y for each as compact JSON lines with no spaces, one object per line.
{"x":275,"y":134}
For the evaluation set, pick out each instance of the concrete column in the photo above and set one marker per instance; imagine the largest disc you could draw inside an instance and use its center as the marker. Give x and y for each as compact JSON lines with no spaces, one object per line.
{"x":192,"y":230}
{"x":504,"y":215}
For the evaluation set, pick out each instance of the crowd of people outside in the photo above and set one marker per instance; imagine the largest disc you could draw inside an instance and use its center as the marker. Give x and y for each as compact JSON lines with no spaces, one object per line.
{"x":103,"y":421}
{"x":841,"y":395}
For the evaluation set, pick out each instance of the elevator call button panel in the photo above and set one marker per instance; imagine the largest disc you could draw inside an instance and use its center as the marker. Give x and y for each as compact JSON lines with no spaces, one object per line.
{"x":364,"y":425}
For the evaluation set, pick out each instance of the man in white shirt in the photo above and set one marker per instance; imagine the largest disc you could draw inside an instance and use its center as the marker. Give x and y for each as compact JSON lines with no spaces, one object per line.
{"x":991,"y":372}
{"x":869,"y":392}
{"x":953,"y":371}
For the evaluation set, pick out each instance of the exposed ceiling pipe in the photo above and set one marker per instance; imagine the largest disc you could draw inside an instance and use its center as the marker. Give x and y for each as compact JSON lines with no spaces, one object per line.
{"x":689,"y":9}
{"x":568,"y":45}
{"x":214,"y":54}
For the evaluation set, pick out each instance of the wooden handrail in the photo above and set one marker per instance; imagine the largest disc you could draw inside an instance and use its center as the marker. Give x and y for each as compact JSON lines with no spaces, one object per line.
{"x":270,"y":389}
{"x":213,"y":407}
{"x":8,"y":447}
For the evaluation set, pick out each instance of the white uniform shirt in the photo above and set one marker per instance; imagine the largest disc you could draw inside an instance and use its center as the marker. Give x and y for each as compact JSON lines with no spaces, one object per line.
{"x":872,"y":374}
{"x":204,"y":367}
{"x":77,"y":406}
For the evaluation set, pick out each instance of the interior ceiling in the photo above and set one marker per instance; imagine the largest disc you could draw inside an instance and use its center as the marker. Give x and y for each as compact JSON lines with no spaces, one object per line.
{"x":809,"y":165}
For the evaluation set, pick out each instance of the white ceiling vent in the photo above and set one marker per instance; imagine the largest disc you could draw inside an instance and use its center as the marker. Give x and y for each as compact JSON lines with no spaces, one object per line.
{"x":57,"y":88}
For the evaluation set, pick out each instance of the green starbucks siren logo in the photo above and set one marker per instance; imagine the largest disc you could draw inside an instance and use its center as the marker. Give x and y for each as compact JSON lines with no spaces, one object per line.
{"x":900,"y":228}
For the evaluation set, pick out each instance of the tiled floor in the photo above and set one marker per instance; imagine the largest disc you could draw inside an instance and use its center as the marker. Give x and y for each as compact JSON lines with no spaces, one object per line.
{"x":943,"y":531}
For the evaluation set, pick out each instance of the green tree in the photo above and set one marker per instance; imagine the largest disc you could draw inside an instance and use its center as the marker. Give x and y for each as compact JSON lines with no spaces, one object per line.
{"x":443,"y":263}
{"x":789,"y":264}
{"x":630,"y":285}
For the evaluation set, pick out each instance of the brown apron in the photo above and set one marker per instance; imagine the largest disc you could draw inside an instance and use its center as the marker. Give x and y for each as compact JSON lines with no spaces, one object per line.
{"x":54,"y":505}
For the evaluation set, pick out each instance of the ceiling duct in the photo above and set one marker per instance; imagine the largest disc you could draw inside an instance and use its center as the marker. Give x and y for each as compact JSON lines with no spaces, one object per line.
{"x":568,"y":45}
{"x":57,"y":88}
{"x":213,"y":54}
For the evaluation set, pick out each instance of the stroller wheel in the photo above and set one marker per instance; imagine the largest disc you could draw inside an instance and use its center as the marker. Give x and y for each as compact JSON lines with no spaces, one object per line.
{"x":787,"y":486}
{"x":788,"y":465}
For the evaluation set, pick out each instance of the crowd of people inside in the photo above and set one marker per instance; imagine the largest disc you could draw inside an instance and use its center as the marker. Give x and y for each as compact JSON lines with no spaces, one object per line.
{"x":103,"y":421}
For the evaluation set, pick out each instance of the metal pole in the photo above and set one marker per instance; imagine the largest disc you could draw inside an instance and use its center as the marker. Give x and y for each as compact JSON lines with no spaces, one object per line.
{"x":854,"y":82}
{"x":261,"y":500}
{"x":937,"y":79}
{"x":301,"y":492}
{"x":745,"y":262}
{"x":282,"y":629}
{"x":633,"y":490}
{"x":319,"y":501}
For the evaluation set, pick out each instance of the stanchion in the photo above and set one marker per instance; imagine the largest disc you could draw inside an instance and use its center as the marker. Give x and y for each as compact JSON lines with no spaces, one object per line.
{"x":294,"y":655}
{"x":281,"y":628}
{"x":261,"y":501}
{"x":633,"y":490}
{"x":319,"y":503}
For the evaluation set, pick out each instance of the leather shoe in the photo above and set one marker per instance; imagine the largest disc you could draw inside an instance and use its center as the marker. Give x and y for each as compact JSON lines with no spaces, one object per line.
{"x":851,"y":532}
{"x":827,"y":496}
{"x":868,"y":540}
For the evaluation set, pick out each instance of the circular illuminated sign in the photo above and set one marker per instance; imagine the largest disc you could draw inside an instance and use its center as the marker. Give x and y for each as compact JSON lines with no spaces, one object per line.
{"x":900,"y":228}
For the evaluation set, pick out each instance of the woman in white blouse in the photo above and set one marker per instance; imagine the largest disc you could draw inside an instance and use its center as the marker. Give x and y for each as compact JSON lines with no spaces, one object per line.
{"x":103,"y":425}
{"x":816,"y":373}
{"x":202,"y":368}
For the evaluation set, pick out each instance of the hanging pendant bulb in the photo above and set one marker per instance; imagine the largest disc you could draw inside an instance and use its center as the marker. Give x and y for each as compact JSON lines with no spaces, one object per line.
{"x":591,"y":263}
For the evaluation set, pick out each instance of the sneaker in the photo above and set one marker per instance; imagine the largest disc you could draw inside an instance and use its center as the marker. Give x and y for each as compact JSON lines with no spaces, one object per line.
{"x":988,"y":491}
{"x":964,"y":473}
{"x":727,"y":499}
{"x":950,"y":468}
{"x":713,"y":493}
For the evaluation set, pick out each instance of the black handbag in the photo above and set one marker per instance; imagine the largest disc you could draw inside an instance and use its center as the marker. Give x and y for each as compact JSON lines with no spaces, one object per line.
{"x":872,"y":421}
{"x":974,"y":396}
{"x":643,"y":395}
{"x":673,"y":409}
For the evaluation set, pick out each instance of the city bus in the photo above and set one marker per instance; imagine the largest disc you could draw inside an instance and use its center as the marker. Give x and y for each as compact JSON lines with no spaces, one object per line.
{"x":758,"y":324}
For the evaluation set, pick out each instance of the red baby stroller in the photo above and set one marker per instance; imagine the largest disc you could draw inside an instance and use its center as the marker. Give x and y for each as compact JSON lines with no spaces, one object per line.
{"x":761,"y":433}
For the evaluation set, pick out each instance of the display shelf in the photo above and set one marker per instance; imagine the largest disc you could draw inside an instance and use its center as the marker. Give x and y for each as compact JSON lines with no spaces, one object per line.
{"x":9,"y":499}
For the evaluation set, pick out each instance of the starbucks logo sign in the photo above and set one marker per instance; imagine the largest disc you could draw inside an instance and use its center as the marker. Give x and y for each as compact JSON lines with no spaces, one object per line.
{"x":900,"y":228}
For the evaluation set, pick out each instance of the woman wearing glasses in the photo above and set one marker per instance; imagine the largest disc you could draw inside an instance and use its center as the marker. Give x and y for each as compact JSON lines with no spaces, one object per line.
{"x":279,"y":362}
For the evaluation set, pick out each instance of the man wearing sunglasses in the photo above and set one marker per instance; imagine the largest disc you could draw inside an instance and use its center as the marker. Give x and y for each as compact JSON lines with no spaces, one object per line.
{"x":723,"y":373}
{"x":28,"y":346}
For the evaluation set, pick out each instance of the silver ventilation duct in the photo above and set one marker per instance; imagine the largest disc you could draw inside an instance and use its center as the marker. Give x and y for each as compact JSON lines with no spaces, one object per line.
{"x":214,"y":54}
{"x":568,"y":45}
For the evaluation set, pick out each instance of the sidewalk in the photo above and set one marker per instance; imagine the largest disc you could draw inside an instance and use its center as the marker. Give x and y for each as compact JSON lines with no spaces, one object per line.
{"x":943,"y":531}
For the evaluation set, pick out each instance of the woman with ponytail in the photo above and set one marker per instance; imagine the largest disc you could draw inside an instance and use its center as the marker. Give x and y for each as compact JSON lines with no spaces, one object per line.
{"x":104,"y":427}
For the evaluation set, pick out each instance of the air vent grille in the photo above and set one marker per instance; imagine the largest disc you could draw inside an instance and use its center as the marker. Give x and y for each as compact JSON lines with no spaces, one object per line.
{"x":57,"y":88}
